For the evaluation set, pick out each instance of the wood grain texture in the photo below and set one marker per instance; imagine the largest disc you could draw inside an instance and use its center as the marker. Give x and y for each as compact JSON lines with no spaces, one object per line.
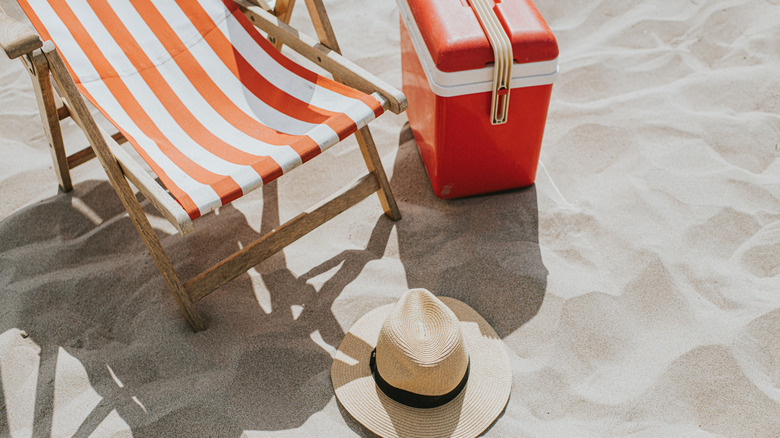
{"x":119,"y":137}
{"x":17,"y":39}
{"x":283,"y":9}
{"x":321,"y":22}
{"x":47,"y":105}
{"x":374,"y":164}
{"x":342,"y":69}
{"x":81,"y":157}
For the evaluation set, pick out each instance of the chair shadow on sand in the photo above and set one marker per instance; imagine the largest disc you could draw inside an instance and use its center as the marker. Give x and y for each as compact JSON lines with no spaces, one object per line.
{"x":75,"y":275}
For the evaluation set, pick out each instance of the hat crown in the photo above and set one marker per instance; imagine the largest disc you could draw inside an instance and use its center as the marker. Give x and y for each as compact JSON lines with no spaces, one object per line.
{"x":420,"y":347}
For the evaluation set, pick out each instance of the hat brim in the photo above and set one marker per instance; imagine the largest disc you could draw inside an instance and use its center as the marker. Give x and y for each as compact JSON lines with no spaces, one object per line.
{"x":469,"y":414}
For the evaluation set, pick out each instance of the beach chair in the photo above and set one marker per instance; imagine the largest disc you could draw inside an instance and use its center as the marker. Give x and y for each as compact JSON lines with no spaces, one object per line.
{"x":212,"y":107}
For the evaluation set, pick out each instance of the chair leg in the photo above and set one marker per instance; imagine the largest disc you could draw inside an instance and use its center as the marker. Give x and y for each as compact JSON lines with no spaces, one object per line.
{"x":161,"y":259}
{"x":81,"y":115}
{"x":44,"y":93}
{"x":163,"y":263}
{"x":374,"y":164}
{"x":321,"y":22}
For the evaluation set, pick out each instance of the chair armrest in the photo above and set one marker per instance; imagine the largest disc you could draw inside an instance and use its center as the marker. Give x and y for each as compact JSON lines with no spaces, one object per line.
{"x":342,"y":69}
{"x":16,"y":39}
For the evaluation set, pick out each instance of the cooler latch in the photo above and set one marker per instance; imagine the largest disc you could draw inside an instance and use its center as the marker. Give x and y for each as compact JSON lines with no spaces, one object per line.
{"x":502,"y":54}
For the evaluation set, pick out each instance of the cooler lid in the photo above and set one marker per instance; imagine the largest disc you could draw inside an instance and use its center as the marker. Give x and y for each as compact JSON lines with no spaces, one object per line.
{"x":456,"y":41}
{"x":531,"y":72}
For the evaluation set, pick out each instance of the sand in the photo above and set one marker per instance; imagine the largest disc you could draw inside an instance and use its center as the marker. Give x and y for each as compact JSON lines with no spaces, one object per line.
{"x":636,"y":284}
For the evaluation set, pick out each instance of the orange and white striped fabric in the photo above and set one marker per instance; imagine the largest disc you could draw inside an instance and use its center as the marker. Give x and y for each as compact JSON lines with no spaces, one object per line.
{"x":207,"y":102}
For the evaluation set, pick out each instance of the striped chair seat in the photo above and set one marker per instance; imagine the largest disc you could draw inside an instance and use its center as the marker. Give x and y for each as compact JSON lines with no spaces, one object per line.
{"x":207,"y":102}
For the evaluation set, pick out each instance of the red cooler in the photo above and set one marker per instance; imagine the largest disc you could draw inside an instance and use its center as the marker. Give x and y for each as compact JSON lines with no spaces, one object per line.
{"x":478,"y":76}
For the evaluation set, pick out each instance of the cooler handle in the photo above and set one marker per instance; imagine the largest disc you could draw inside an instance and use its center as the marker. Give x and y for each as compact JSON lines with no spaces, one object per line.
{"x":502,"y":54}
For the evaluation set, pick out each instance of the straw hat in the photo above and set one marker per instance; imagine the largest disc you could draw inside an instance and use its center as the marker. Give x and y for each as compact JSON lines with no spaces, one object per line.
{"x":426,"y":351}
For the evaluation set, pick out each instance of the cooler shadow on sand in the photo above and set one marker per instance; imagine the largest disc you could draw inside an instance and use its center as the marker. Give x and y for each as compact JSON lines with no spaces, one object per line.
{"x":482,"y":250}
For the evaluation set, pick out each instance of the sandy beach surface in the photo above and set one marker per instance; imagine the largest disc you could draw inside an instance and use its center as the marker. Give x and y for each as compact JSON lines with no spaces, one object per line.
{"x":636,"y":284}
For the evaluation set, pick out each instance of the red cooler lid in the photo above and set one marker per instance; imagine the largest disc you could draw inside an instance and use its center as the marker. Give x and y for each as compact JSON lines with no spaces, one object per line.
{"x":456,"y":41}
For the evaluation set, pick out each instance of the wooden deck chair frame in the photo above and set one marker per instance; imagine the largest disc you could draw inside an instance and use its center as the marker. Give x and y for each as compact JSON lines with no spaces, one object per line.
{"x":43,"y":62}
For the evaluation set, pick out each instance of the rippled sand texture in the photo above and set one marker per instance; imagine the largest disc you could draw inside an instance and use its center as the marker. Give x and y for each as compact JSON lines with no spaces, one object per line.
{"x":636,"y":284}
{"x":661,"y":230}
